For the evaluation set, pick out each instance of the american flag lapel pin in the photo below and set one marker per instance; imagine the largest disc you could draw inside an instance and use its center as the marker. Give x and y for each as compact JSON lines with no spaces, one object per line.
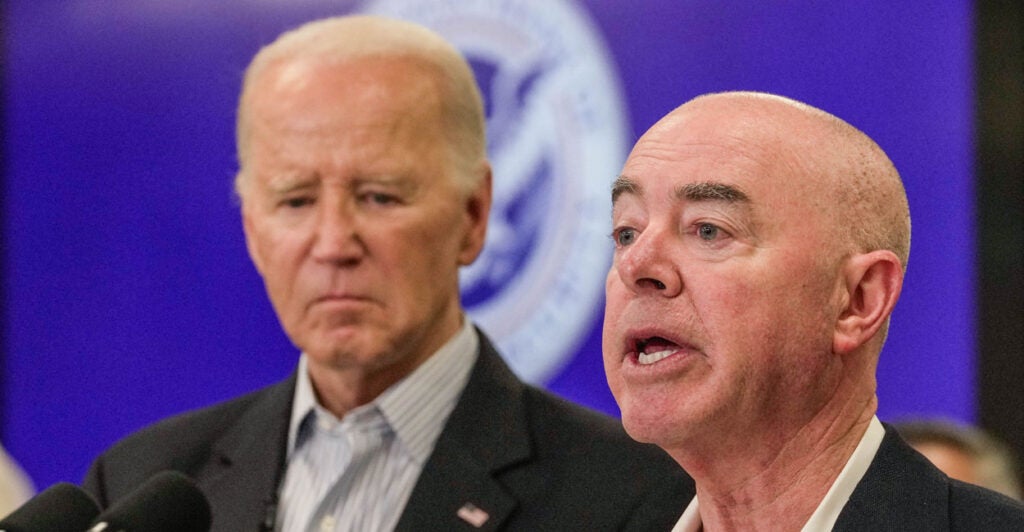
{"x":473,"y":515}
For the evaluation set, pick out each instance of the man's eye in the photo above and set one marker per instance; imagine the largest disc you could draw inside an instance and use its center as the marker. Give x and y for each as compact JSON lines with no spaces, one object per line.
{"x":708,"y":231}
{"x":379,"y":198}
{"x":624,"y":236}
{"x":297,"y":202}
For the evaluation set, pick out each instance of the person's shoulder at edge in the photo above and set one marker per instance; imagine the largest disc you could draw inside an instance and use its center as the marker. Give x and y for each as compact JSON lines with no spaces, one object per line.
{"x":187,"y":440}
{"x":198,"y":424}
{"x":983,"y":509}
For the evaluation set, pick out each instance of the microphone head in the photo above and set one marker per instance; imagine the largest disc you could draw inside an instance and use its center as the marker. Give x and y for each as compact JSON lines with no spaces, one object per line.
{"x":167,"y":502}
{"x":63,"y":507}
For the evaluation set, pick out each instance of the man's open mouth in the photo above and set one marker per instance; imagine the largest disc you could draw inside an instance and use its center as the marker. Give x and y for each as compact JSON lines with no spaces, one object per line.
{"x":653,"y":349}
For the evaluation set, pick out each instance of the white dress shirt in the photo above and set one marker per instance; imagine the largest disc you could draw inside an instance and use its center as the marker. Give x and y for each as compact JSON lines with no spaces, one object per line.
{"x":357,"y":473}
{"x":828,"y":510}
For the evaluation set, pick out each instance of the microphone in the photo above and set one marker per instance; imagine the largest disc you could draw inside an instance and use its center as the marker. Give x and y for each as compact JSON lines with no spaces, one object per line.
{"x":167,"y":502}
{"x":63,"y":507}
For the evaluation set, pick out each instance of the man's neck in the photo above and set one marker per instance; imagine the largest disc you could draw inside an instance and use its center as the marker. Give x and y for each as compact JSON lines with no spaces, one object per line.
{"x":760,"y":483}
{"x":341,"y":390}
{"x":342,"y":387}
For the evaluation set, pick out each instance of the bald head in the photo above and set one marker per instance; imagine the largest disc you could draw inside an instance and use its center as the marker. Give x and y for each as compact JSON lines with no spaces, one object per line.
{"x":344,"y":40}
{"x":759,"y":251}
{"x":848,"y":176}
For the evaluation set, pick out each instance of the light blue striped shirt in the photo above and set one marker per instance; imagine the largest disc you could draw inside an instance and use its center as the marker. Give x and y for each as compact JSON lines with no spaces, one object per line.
{"x":356,"y":473}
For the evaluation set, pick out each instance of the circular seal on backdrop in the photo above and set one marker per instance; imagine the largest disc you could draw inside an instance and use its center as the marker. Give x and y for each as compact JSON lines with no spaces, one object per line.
{"x":556,"y":130}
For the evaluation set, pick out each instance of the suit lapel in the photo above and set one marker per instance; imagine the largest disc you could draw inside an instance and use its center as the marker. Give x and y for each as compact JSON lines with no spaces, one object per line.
{"x":486,"y":433}
{"x":241,"y":479}
{"x":900,"y":491}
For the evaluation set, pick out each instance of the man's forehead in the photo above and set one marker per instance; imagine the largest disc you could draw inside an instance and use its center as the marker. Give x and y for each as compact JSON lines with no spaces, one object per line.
{"x":358,"y":80}
{"x":708,"y":164}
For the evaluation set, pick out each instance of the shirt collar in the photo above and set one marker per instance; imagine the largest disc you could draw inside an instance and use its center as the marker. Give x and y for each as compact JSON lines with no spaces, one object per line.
{"x":690,"y":521}
{"x":828,"y":510}
{"x":416,"y":407}
{"x":832,"y":505}
{"x":303,"y":403}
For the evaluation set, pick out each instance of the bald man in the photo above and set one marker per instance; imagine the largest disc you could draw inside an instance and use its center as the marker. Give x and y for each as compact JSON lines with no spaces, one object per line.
{"x":364,"y":187}
{"x":760,"y":247}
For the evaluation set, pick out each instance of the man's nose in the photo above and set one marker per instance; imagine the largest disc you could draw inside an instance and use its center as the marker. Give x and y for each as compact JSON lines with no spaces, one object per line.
{"x":646,"y":265}
{"x":337,"y":236}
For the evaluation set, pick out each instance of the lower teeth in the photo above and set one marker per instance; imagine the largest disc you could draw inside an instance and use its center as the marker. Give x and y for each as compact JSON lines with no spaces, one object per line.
{"x":651,"y":358}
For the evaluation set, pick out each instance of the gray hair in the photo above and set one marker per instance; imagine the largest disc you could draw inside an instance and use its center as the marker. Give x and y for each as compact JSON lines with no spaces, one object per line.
{"x":340,"y":39}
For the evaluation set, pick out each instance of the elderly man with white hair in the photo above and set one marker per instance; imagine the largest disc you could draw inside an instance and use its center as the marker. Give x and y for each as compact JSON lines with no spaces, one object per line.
{"x":364,"y":186}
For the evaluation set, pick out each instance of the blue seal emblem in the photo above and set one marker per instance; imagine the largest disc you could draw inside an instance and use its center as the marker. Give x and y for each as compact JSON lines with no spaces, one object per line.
{"x":557,"y":137}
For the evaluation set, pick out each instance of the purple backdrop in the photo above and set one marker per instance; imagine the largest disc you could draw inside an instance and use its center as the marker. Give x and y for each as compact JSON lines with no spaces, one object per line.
{"x":129,"y":295}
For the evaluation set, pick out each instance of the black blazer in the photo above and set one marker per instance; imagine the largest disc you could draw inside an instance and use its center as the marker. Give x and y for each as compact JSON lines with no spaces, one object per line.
{"x":903,"y":491}
{"x":532,"y":461}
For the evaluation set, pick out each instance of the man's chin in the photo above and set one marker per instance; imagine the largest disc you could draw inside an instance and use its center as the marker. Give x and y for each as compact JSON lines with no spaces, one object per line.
{"x":648,"y":422}
{"x":642,"y":429}
{"x":345,"y":348}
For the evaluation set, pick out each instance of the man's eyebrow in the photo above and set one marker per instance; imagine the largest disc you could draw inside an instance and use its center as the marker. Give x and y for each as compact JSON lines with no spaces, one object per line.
{"x":386,"y":180}
{"x":711,"y":191}
{"x":704,"y":191}
{"x":286,"y":182}
{"x":623,"y":185}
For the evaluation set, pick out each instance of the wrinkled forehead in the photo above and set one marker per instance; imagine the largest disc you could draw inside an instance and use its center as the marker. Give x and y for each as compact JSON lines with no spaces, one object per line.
{"x":337,"y":83}
{"x":333,"y":105}
{"x":753,"y":178}
{"x":700,"y":170}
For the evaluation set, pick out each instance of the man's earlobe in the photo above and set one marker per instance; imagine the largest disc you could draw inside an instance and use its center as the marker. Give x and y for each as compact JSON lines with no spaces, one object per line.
{"x":250,"y":246}
{"x":478,"y":210}
{"x":873,"y":282}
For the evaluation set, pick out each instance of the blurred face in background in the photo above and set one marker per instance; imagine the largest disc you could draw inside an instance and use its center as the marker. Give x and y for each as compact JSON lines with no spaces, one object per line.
{"x":953,"y":461}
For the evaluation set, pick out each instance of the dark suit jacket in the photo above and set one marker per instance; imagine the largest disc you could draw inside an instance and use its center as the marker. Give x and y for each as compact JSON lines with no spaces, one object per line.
{"x":530,"y":460}
{"x":903,"y":491}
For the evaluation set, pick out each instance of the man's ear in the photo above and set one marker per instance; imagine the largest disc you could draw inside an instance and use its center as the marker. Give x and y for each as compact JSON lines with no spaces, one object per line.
{"x":872,"y":282}
{"x":249,"y":230}
{"x":477,"y":207}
